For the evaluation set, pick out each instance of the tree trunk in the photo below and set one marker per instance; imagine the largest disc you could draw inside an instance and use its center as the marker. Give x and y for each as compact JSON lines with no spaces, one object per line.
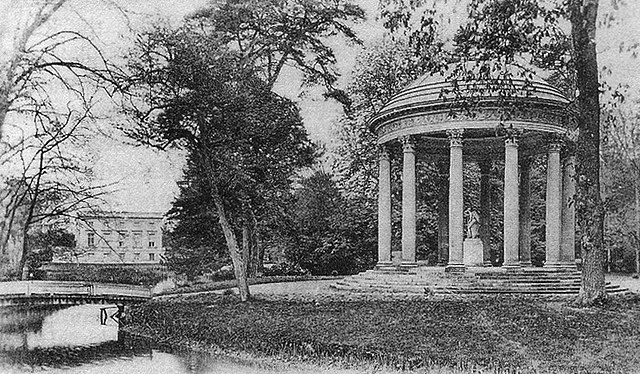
{"x":23,"y":268}
{"x":239,"y":265}
{"x":589,"y":203}
{"x":637,"y":191}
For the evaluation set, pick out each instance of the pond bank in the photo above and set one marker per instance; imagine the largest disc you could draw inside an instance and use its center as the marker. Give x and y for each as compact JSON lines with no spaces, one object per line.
{"x":487,"y":334}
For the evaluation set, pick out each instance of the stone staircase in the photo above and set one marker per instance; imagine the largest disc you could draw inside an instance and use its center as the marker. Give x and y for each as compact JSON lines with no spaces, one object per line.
{"x":475,"y":281}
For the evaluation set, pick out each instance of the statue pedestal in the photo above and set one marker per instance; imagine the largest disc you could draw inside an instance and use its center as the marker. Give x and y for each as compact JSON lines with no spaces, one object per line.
{"x":472,"y":249}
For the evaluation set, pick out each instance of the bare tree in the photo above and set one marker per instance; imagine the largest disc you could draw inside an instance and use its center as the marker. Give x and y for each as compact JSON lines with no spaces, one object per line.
{"x":51,"y":179}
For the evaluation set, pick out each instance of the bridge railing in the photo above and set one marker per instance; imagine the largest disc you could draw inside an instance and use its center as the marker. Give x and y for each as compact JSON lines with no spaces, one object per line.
{"x":29,"y":288}
{"x":121,"y":289}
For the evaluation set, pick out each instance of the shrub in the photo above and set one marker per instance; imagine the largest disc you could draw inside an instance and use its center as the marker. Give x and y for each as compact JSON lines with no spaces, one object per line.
{"x":284,"y":269}
{"x":109,"y":274}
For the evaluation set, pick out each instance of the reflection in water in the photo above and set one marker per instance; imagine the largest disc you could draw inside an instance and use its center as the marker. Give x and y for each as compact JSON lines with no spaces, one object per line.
{"x":72,"y":340}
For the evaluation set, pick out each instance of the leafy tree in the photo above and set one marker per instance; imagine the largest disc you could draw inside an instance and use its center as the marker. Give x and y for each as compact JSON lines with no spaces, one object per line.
{"x":242,"y":138}
{"x":258,"y":39}
{"x":43,"y":245}
{"x":268,"y":35}
{"x":331,"y":233}
{"x":194,"y":246}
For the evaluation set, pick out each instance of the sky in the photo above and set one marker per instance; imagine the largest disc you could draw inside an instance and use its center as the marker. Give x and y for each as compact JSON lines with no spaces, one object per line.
{"x":145,"y":179}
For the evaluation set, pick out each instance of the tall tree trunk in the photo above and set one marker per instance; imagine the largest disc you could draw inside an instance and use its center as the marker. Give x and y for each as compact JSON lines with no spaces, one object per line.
{"x":589,"y":205}
{"x":637,"y":191}
{"x":22,"y":267}
{"x":237,"y":259}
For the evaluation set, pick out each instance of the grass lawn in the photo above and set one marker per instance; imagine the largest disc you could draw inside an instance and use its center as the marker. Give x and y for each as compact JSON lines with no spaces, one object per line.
{"x":232,"y":283}
{"x":475,"y":335}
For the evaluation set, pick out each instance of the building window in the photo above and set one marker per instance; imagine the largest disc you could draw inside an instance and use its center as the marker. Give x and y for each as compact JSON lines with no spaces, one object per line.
{"x":137,"y":236}
{"x":91,"y":239}
{"x":121,"y":255}
{"x":121,"y":237}
{"x":152,"y":244}
{"x":106,"y":237}
{"x":136,"y":256}
{"x":152,"y":256}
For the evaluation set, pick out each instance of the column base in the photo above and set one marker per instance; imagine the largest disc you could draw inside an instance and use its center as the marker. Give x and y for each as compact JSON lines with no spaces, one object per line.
{"x":526,"y":264}
{"x":409,"y":264}
{"x":511,"y":266}
{"x":455,"y":268}
{"x":385,"y":265}
{"x":560,"y":266}
{"x":487,"y":264}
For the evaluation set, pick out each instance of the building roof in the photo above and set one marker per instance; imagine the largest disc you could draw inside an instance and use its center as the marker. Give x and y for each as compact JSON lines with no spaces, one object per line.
{"x":477,"y":85}
{"x":130,"y":215}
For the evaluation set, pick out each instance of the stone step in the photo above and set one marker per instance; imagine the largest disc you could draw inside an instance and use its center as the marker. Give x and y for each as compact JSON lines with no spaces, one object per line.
{"x":521,"y":276}
{"x":471,"y":291}
{"x":439,"y":281}
{"x":417,"y":281}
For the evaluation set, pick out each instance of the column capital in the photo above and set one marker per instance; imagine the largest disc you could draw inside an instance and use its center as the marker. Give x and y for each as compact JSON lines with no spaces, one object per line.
{"x":455,"y":137}
{"x":556,"y":143}
{"x":511,"y":136}
{"x":407,"y":144}
{"x":555,"y":146}
{"x":383,"y":152}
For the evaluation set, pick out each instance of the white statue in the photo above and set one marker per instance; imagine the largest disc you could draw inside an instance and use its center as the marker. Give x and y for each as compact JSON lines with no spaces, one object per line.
{"x":473,"y":224}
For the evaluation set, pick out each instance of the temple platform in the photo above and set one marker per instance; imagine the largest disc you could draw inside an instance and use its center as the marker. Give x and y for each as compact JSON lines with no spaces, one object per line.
{"x":432,"y":280}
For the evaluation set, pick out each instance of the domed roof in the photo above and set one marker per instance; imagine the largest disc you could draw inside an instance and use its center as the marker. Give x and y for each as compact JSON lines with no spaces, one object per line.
{"x":464,"y":88}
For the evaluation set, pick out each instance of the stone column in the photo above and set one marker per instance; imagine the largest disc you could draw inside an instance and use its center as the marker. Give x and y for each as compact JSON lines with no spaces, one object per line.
{"x":384,"y":209}
{"x":443,"y":213}
{"x":511,"y":203}
{"x":408,"y":203}
{"x":456,"y":257}
{"x":552,"y":218}
{"x":485,"y":211}
{"x":568,"y":231}
{"x":525,"y":212}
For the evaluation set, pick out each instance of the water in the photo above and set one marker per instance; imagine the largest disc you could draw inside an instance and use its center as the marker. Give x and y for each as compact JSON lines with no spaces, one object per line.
{"x":72,"y":340}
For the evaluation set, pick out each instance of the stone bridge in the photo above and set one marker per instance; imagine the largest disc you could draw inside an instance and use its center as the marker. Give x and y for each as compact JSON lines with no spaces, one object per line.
{"x":28,"y":293}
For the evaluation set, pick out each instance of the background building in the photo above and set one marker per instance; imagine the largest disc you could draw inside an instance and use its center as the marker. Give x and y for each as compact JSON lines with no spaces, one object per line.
{"x":118,"y":238}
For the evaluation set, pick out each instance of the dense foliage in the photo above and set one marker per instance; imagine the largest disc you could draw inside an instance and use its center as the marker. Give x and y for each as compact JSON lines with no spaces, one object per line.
{"x":42,"y":245}
{"x":327,"y":232}
{"x":139,"y":275}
